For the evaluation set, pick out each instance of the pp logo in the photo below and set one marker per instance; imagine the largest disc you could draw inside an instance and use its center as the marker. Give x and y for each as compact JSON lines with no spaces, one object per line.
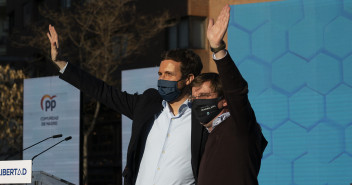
{"x":48,"y":102}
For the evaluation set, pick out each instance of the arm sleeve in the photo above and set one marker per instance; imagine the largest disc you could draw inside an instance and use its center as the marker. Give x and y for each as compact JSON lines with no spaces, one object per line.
{"x":121,"y":102}
{"x":63,"y":69}
{"x":236,"y":94}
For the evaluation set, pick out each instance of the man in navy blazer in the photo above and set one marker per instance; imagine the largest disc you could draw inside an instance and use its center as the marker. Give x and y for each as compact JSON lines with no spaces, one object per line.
{"x":165,"y":147}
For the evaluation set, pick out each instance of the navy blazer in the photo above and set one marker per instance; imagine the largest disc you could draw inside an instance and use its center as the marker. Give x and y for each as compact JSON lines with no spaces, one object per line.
{"x":139,"y":108}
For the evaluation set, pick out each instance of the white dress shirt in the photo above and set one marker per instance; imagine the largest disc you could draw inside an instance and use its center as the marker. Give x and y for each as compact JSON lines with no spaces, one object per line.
{"x":167,"y":155}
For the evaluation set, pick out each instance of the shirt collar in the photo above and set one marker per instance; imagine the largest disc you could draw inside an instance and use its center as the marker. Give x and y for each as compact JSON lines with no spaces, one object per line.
{"x":185,"y":105}
{"x":219,"y":120}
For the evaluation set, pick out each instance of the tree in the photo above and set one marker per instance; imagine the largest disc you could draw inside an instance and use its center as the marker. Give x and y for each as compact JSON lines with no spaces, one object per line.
{"x":11,"y":103}
{"x":99,"y":35}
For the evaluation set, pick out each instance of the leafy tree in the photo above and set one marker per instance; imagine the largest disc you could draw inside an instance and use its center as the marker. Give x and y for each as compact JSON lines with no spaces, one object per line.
{"x":98,"y":35}
{"x":11,"y":103}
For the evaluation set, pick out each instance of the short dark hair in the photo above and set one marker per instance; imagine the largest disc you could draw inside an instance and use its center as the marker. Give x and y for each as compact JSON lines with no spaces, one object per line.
{"x":214,"y":80}
{"x":190,"y":61}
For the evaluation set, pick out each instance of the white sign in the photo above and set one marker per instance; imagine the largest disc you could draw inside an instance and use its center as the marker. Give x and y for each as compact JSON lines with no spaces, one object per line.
{"x":52,"y":106}
{"x":15,"y":172}
{"x":135,"y":81}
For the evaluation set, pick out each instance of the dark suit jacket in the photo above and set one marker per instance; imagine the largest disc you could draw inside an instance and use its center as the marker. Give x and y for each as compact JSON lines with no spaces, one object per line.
{"x":235,"y":89}
{"x":141,"y":109}
{"x":234,"y":148}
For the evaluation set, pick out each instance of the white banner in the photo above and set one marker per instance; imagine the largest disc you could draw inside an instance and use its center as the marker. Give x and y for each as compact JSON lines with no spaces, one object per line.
{"x":135,"y":81}
{"x":15,"y":172}
{"x":51,"y":106}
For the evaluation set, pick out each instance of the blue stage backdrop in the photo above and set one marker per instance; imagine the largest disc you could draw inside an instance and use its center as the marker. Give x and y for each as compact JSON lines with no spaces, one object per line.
{"x":297,"y":58}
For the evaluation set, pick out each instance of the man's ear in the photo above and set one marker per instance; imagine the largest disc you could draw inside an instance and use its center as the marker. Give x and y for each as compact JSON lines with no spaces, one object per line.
{"x":189,"y":79}
{"x":222,"y":103}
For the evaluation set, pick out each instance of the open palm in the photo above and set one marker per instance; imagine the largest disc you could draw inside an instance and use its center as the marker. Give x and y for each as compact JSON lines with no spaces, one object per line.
{"x":217,"y":30}
{"x":54,"y":42}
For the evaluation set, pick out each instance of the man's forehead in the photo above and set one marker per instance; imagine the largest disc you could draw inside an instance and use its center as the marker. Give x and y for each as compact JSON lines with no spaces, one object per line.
{"x":169,"y":61}
{"x":205,"y":87}
{"x":169,"y":64}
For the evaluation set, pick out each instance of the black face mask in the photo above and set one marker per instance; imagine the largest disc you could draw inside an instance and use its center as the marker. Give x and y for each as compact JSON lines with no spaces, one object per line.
{"x":168,"y":90}
{"x":206,"y":109}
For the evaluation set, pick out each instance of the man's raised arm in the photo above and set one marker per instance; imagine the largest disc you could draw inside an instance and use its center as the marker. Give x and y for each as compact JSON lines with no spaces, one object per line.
{"x":235,"y":87}
{"x":216,"y":32}
{"x":54,"y":43}
{"x":121,"y":102}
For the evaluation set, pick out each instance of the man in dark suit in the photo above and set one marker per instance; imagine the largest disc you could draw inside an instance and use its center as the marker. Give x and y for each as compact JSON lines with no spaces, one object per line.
{"x":235,"y":143}
{"x":164,"y":147}
{"x":167,"y":143}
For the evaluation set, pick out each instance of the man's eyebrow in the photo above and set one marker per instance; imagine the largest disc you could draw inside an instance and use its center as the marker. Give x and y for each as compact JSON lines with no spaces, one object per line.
{"x":169,"y":72}
{"x":202,"y":94}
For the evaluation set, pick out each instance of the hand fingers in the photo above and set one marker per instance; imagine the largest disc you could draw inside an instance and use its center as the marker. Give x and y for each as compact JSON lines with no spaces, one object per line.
{"x":224,"y":15}
{"x":54,"y":36}
{"x":51,"y":40}
{"x":49,"y":37}
{"x":211,"y":23}
{"x":223,"y":19}
{"x":50,"y":34}
{"x":50,"y":30}
{"x":218,"y":28}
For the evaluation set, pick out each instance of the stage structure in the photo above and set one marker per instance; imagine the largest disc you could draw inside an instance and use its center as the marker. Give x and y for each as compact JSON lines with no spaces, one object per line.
{"x":52,"y":107}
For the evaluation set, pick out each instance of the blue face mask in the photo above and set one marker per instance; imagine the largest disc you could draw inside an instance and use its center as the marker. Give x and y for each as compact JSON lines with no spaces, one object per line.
{"x":168,"y":90}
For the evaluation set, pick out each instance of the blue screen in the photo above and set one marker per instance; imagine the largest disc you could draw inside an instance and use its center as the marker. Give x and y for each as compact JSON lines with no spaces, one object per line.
{"x":296,"y":56}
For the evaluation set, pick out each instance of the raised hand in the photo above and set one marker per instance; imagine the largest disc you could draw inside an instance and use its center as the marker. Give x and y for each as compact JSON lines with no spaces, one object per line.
{"x":217,"y":30}
{"x":54,"y":43}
